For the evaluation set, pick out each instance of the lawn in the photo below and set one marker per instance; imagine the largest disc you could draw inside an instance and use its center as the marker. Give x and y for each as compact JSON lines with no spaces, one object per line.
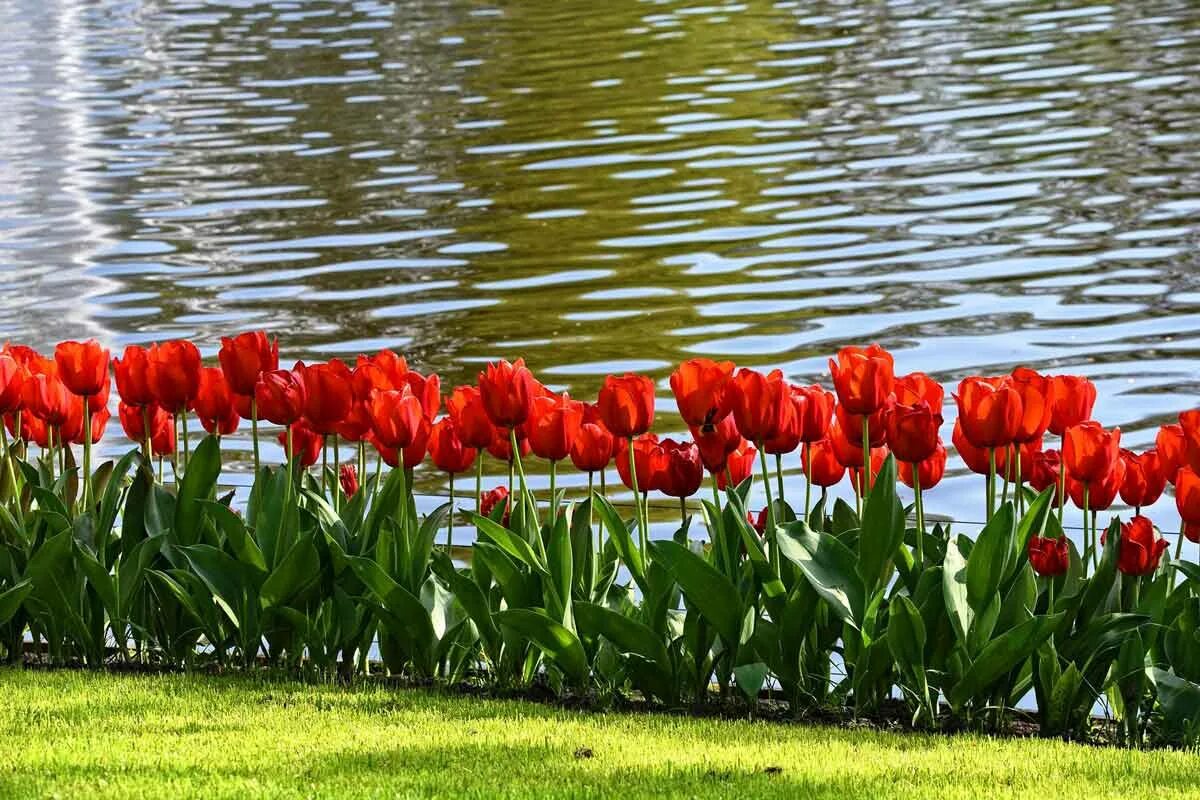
{"x":77,"y":734}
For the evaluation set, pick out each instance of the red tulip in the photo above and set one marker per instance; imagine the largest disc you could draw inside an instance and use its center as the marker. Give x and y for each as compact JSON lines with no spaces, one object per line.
{"x":760,"y":403}
{"x":82,"y":366}
{"x":245,"y":358}
{"x":162,"y":427}
{"x":1189,"y":421}
{"x":626,"y":405}
{"x":593,"y":447}
{"x":912,"y":431}
{"x":411,"y":455}
{"x":466,"y":409}
{"x":648,"y":459}
{"x":490,"y":499}
{"x":814,"y":407}
{"x":174,"y":374}
{"x":32,"y":429}
{"x":507,"y":391}
{"x":12,"y":382}
{"x":914,"y":387}
{"x":738,"y":465}
{"x":847,"y":451}
{"x":47,"y":398}
{"x":1100,"y":494}
{"x":717,"y":443}
{"x":989,"y":410}
{"x":328,"y":395}
{"x":758,"y":522}
{"x":1071,"y":399}
{"x":1049,"y":557}
{"x":1045,"y":471}
{"x":1140,"y":548}
{"x":1144,"y":479}
{"x":976,"y":458}
{"x":930,"y":470}
{"x":878,"y":456}
{"x":396,"y":417}
{"x":552,"y":426}
{"x":1089,"y":451}
{"x":681,"y":471}
{"x":447,"y":450}
{"x":500,"y":447}
{"x":73,"y":430}
{"x":391,"y":368}
{"x":826,"y":470}
{"x":1171,"y":445}
{"x":214,"y":403}
{"x":357,"y":422}
{"x":788,"y":432}
{"x":863,"y":378}
{"x":1187,"y":500}
{"x":699,"y":387}
{"x":348,"y":478}
{"x":1035,"y":407}
{"x":133,"y":376}
{"x":279,"y":396}
{"x":306,"y":444}
{"x":428,"y":390}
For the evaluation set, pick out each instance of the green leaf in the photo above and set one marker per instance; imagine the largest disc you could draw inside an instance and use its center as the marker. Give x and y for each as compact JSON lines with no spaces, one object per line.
{"x":999,"y":657}
{"x":299,"y":569}
{"x":750,"y":679}
{"x":622,"y":541}
{"x":236,"y":534}
{"x":509,"y":542}
{"x":11,"y":599}
{"x":713,"y":595}
{"x":630,"y":636}
{"x":829,"y":566}
{"x":224,"y":577}
{"x":882,"y":530}
{"x":406,"y":609}
{"x":557,"y":643}
{"x":906,"y":635}
{"x":990,"y":557}
{"x":199,"y":482}
{"x":471,"y":598}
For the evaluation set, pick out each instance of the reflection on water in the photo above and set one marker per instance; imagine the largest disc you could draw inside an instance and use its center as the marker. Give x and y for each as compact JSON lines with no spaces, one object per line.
{"x":604,"y":186}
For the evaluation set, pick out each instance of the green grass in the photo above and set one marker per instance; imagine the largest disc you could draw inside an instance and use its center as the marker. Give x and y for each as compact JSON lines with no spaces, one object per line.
{"x":75,"y":734}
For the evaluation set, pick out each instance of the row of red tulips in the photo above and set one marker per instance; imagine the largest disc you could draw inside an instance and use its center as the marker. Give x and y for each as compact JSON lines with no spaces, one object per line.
{"x":734,"y":415}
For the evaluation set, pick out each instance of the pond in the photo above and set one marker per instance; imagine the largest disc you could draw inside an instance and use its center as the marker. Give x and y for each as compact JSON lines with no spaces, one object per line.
{"x":617,"y":186}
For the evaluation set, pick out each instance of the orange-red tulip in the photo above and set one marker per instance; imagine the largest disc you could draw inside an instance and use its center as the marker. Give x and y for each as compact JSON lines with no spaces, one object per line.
{"x":507,"y":391}
{"x":717,"y":443}
{"x":930,"y":470}
{"x":82,"y":366}
{"x":328,"y":395}
{"x":912,"y":431}
{"x":1035,"y":405}
{"x":1071,"y":400}
{"x":279,"y":396}
{"x":1144,"y":479}
{"x":626,"y":405}
{"x":814,"y":407}
{"x":47,"y":398}
{"x":552,"y":426}
{"x":1089,"y":451}
{"x":699,"y":387}
{"x":1100,"y":494}
{"x":500,"y":447}
{"x":162,"y":427}
{"x":825,"y":470}
{"x":761,"y":404}
{"x":396,"y":417}
{"x":348,"y":478}
{"x":12,"y":382}
{"x":1187,"y":500}
{"x":648,"y":459}
{"x":1140,"y":548}
{"x":466,"y":409}
{"x":213,"y":403}
{"x":989,"y":410}
{"x":863,"y":378}
{"x":306,"y":444}
{"x":1171,"y":446}
{"x":494,"y":497}
{"x":738,"y":465}
{"x":174,"y":374}
{"x":133,"y":376}
{"x":681,"y":472}
{"x":593,"y":447}
{"x":914,"y":387}
{"x":1045,"y":471}
{"x":447,"y":450}
{"x":244,"y":358}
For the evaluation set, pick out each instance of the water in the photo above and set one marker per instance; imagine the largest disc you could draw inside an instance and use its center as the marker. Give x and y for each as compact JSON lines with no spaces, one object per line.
{"x":613,"y":186}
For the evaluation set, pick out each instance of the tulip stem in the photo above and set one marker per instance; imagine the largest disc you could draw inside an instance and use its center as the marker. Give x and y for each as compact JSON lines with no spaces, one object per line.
{"x":592,"y":512}
{"x":479,"y":483}
{"x":183,"y":421}
{"x":807,"y":454}
{"x":254,"y":431}
{"x":1017,"y":480}
{"x":991,"y":484}
{"x":337,"y":469}
{"x":526,"y":501}
{"x":1178,"y":544}
{"x":1050,"y":595}
{"x":147,"y":449}
{"x":762,"y":461}
{"x":716,"y":493}
{"x":636,"y":501}
{"x":1087,"y":541}
{"x":603,"y":484}
{"x":87,"y":455}
{"x":683,"y":515}
{"x":779,"y":477}
{"x":362,"y":460}
{"x":916,"y":474}
{"x":325,"y":465}
{"x":553,"y":493}
{"x":866,"y":451}
{"x":450,"y":524}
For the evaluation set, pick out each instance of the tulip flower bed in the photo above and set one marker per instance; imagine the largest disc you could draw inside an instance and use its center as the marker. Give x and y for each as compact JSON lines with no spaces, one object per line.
{"x":826,"y":605}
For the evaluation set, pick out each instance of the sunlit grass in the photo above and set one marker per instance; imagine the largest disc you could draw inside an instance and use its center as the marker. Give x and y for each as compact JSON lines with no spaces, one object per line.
{"x":74,"y":734}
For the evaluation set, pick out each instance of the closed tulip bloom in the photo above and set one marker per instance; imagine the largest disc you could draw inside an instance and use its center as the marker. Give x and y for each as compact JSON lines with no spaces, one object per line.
{"x":989,"y":410}
{"x":1035,"y":405}
{"x":428,"y":389}
{"x":47,"y":398}
{"x":1101,"y":494}
{"x":174,"y":374}
{"x":465,"y":407}
{"x":447,"y":450}
{"x":976,"y":458}
{"x":716,"y":443}
{"x":699,"y":388}
{"x":132,"y":372}
{"x":914,"y":387}
{"x":214,"y":404}
{"x":357,"y":422}
{"x":648,"y":459}
{"x":1045,"y":471}
{"x":507,"y":391}
{"x":348,"y":478}
{"x":162,"y":427}
{"x":328,"y":395}
{"x":1140,"y":548}
{"x":814,"y":407}
{"x":1144,"y":480}
{"x":1049,"y":557}
{"x":681,"y":470}
{"x":82,"y":366}
{"x":1071,"y":400}
{"x":493,"y":498}
{"x":759,"y":403}
{"x":930,"y":470}
{"x":626,"y":405}
{"x":1189,"y":422}
{"x":848,"y":452}
{"x":73,"y":430}
{"x":396,"y":417}
{"x":826,"y":470}
{"x":1187,"y":500}
{"x":391,"y":367}
{"x":552,"y":426}
{"x":306,"y":444}
{"x":500,"y":447}
{"x":279,"y":396}
{"x":912,"y":431}
{"x":758,"y":521}
{"x":788,"y":433}
{"x":593,"y":447}
{"x":1089,"y":451}
{"x":863,"y":378}
{"x":409,"y":456}
{"x":738,"y":465}
{"x":1171,"y":446}
{"x":245,"y":357}
{"x":12,"y":382}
